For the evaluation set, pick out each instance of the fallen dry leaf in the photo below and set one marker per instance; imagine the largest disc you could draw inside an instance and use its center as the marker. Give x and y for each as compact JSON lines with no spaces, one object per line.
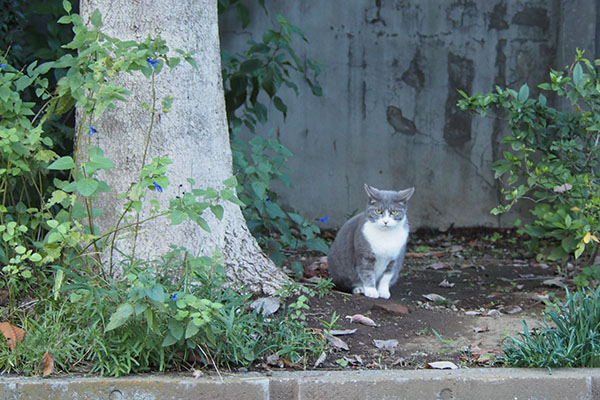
{"x":354,"y":360}
{"x":441,"y":365}
{"x":361,"y":319}
{"x":13,"y":335}
{"x":481,"y":329}
{"x":446,"y":284}
{"x":558,"y":282}
{"x":437,"y":253}
{"x":321,"y":359}
{"x":267,"y":305}
{"x":472,"y":313}
{"x":493,"y":313}
{"x":438,"y":265}
{"x":47,"y":364}
{"x":338,"y":343}
{"x":393,"y":308}
{"x":342,"y":332}
{"x":511,"y":310}
{"x":434,"y":297}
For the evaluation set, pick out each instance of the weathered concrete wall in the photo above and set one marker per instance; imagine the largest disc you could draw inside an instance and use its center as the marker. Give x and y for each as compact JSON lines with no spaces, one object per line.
{"x":388,"y":115}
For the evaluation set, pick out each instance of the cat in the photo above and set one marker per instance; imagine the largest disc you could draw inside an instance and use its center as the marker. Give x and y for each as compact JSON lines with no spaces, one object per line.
{"x":368,"y":251}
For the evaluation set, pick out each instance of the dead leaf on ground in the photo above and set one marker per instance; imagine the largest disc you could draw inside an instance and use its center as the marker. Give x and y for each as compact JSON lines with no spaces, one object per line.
{"x":493,"y":313}
{"x":321,"y":359}
{"x":393,"y":308}
{"x":438,"y":265}
{"x":47,"y":364}
{"x":472,"y":313}
{"x":511,"y":310}
{"x":436,"y":253}
{"x":441,"y":365}
{"x":446,"y":284}
{"x":434,"y":297}
{"x":13,"y":334}
{"x":342,"y":332}
{"x":361,"y":319}
{"x":269,"y":305}
{"x":389,"y":345}
{"x":481,"y":329}
{"x":354,"y":360}
{"x":338,"y":343}
{"x":558,"y":282}
{"x":290,"y":364}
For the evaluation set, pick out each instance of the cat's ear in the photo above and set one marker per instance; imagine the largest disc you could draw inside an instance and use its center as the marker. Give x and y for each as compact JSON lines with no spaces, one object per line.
{"x":404,"y":195}
{"x":372,"y":192}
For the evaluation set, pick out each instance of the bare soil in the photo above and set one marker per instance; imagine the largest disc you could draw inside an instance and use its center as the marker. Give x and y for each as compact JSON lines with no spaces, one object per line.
{"x":487,"y":282}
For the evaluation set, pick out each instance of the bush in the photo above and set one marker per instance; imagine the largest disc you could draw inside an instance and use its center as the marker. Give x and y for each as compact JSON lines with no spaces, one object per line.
{"x":551,"y":157}
{"x":157,"y":314}
{"x":251,"y":79}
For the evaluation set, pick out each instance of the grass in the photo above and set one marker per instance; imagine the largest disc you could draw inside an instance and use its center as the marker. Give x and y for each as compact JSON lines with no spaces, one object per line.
{"x":568,"y":337}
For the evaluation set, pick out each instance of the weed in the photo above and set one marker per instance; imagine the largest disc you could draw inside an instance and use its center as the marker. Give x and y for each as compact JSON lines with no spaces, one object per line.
{"x":573,"y":341}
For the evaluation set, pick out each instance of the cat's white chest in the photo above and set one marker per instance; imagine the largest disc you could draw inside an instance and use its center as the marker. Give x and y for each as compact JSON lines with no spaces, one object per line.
{"x":386,"y":244}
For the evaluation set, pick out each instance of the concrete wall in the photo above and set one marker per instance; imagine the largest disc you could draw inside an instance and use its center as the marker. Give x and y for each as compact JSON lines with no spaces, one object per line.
{"x":388,"y":115}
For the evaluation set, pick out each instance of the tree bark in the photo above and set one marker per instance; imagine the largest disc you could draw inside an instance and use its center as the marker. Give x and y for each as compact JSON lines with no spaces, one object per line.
{"x":194,"y":135}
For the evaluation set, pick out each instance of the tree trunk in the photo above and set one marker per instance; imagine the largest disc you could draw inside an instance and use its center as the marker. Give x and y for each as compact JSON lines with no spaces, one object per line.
{"x":193,"y":135}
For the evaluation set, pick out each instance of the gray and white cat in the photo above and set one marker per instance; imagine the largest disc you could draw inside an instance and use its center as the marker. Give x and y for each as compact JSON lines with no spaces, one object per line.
{"x":367,"y":253}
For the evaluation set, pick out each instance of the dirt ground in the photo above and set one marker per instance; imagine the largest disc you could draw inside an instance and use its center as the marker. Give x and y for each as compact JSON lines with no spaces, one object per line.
{"x":460,"y":293}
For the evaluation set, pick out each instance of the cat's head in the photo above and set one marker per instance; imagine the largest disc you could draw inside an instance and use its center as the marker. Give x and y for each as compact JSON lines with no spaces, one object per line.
{"x":387,"y":208}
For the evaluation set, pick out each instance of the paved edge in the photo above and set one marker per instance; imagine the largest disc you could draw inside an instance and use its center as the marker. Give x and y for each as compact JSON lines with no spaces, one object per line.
{"x":339,"y":385}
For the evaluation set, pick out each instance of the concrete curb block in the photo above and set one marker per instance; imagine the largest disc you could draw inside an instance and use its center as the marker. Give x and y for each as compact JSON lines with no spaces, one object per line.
{"x":339,"y":385}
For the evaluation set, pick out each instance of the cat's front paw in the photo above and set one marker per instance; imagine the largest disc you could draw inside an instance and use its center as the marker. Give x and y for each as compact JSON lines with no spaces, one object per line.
{"x":384,"y":293}
{"x":371,"y":292}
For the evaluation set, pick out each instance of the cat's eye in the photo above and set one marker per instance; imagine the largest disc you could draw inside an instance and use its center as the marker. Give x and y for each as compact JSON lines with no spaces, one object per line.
{"x":379,"y":211}
{"x":394,"y":212}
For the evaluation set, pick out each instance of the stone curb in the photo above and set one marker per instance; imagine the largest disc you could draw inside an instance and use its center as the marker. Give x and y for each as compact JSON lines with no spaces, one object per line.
{"x":339,"y":385}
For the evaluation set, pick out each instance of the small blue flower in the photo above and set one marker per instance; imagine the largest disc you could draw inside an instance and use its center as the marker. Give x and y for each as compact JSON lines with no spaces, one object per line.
{"x":173,"y":296}
{"x":3,"y":66}
{"x":268,"y":199}
{"x":92,"y":130}
{"x":153,"y":63}
{"x":158,"y":187}
{"x":324,"y":220}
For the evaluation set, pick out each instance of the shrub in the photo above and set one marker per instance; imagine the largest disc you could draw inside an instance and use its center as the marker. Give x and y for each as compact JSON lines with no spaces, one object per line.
{"x":158,"y":314}
{"x":551,"y":156}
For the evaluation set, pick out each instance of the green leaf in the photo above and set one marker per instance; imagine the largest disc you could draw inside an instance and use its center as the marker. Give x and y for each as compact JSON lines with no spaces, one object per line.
{"x":86,"y":186}
{"x":578,"y":76}
{"x":156,"y":293}
{"x":250,"y":66}
{"x":67,"y":6}
{"x":177,"y":217}
{"x":96,"y":18}
{"x":203,"y":224}
{"x":169,"y":340}
{"x":218,"y":211}
{"x":523,"y":93}
{"x":119,"y":317}
{"x":259,"y":189}
{"x":175,"y":329}
{"x":280,"y":105}
{"x":191,"y":329}
{"x":62,"y":163}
